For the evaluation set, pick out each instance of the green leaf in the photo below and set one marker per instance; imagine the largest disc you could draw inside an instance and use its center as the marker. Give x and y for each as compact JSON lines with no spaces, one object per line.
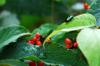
{"x":78,"y":22}
{"x":11,"y":34}
{"x":95,"y":9}
{"x":12,"y":62}
{"x":32,"y":58}
{"x":89,"y":43}
{"x":18,"y":50}
{"x":44,"y":29}
{"x":8,"y":19}
{"x":60,"y":54}
{"x":2,"y":2}
{"x":56,"y":54}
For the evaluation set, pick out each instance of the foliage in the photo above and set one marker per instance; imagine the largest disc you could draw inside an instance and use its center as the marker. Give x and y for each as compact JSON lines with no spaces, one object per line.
{"x":93,"y":38}
{"x":15,"y":46}
{"x":2,"y":2}
{"x":11,"y":34}
{"x":95,"y":9}
{"x":78,"y":21}
{"x":12,"y":62}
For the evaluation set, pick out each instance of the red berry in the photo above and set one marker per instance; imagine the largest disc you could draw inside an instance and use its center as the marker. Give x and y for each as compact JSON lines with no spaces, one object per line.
{"x":32,"y":63}
{"x":86,"y":6}
{"x":37,"y":35}
{"x":68,"y":46}
{"x":75,"y":45}
{"x":34,"y":39}
{"x":41,"y":64}
{"x":30,"y":42}
{"x":38,"y":43}
{"x":68,"y":41}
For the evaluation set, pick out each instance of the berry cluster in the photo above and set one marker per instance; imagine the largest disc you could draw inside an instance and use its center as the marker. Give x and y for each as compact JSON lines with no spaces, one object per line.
{"x":70,"y":44}
{"x":36,"y":64}
{"x":86,"y":6}
{"x":35,"y":40}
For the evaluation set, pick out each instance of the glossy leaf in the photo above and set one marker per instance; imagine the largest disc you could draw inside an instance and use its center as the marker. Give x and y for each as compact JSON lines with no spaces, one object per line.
{"x":78,"y":22}
{"x":57,"y":54}
{"x":11,"y":34}
{"x":44,"y":30}
{"x":89,"y":43}
{"x":12,"y":62}
{"x":18,"y":50}
{"x":61,"y":55}
{"x":95,"y":9}
{"x":32,"y":58}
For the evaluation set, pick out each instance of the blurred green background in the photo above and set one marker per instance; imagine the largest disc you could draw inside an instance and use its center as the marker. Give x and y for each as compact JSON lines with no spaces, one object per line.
{"x":33,"y":13}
